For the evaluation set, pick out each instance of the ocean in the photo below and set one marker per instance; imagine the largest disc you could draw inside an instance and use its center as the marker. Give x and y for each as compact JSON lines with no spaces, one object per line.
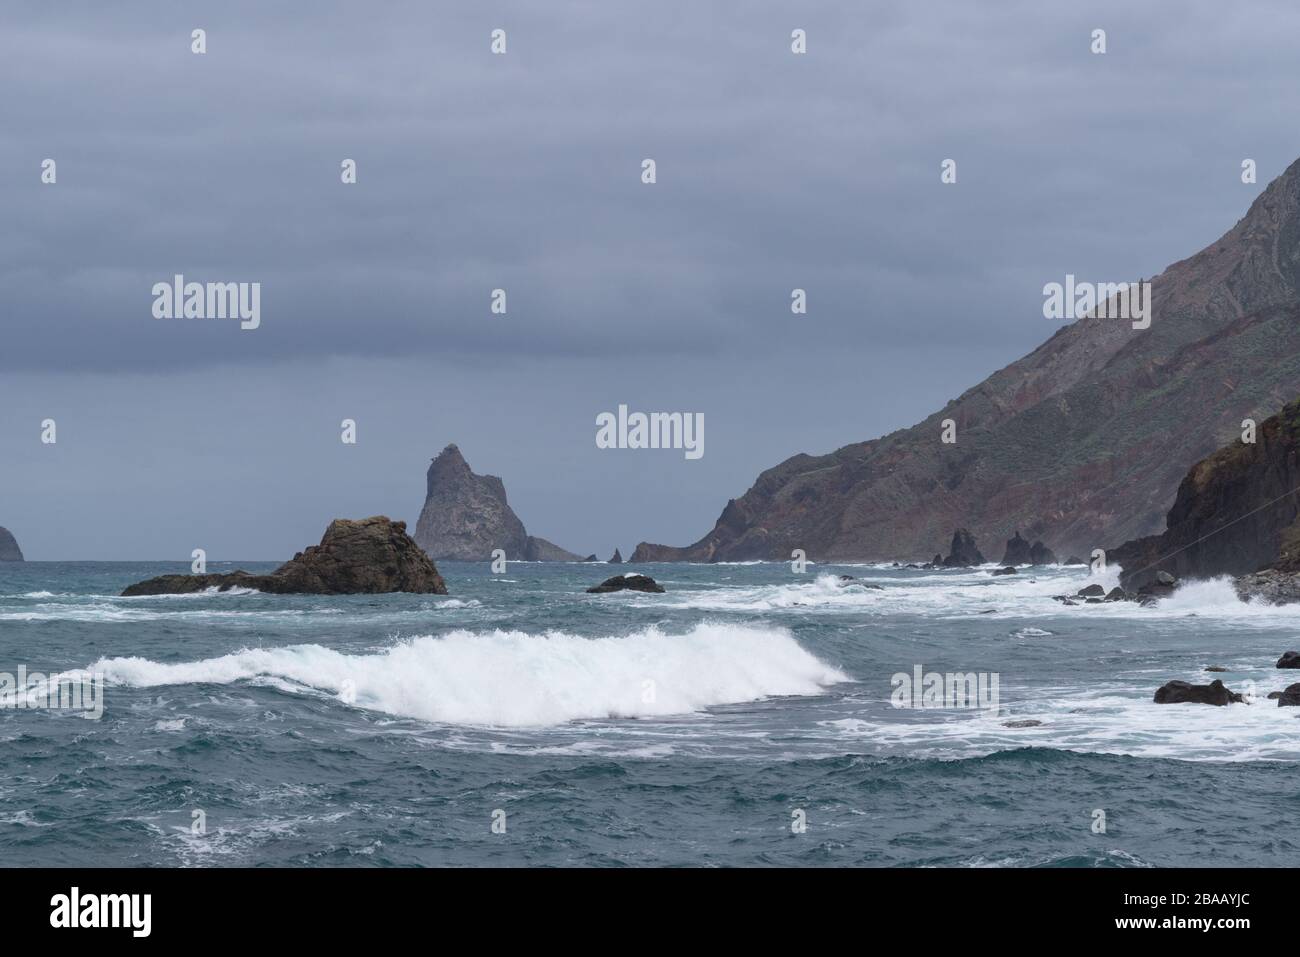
{"x":746,"y":717}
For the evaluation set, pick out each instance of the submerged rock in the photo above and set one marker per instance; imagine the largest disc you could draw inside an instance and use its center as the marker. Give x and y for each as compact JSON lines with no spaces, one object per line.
{"x":1216,"y":668}
{"x":364,"y":557}
{"x":846,"y":580}
{"x":627,"y":583}
{"x":1183,"y":692}
{"x":1021,"y":723}
{"x":1009,"y":570}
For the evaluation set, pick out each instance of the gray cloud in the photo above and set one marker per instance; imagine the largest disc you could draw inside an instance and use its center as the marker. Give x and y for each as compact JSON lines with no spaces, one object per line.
{"x":522,"y":171}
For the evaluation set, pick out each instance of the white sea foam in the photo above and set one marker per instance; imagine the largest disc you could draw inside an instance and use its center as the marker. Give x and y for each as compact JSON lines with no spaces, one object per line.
{"x":958,"y":594}
{"x":514,"y":679}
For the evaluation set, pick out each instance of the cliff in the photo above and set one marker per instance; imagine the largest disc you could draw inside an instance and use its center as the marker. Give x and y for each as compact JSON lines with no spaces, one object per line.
{"x":466,"y":516}
{"x":1082,"y":442}
{"x":1235,"y":512}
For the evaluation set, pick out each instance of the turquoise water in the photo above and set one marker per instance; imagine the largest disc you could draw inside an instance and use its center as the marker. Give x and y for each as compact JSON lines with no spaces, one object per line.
{"x":693,"y":727}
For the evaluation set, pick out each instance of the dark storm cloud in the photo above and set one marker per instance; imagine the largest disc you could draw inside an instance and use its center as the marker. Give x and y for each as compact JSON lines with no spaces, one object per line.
{"x":522,"y":171}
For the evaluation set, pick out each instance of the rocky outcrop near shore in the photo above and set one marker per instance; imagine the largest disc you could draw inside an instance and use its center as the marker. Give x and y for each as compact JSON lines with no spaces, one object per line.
{"x":9,"y":550}
{"x":363,"y":557}
{"x":1235,"y":514}
{"x":963,"y":552}
{"x":1020,"y":552}
{"x":466,"y":517}
{"x":627,"y":583}
{"x":1182,"y":692}
{"x":1081,"y":443}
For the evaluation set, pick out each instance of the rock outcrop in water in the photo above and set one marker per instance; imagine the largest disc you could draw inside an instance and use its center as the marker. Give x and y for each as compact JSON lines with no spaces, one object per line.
{"x":466,"y":517}
{"x":1020,"y":552}
{"x":368,"y":556}
{"x":627,"y":583}
{"x":1236,"y":513}
{"x":1182,"y":692}
{"x":616,"y":558}
{"x":9,"y":550}
{"x":1081,"y":443}
{"x":963,"y":552}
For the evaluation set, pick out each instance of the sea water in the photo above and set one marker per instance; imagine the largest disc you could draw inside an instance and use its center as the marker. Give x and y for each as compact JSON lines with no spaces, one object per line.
{"x":746,"y":716}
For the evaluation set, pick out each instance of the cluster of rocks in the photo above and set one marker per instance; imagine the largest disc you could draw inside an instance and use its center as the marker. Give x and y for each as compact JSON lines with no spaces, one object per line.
{"x":1163,"y":585}
{"x":1020,"y":552}
{"x":1216,"y":693}
{"x":365,"y":557}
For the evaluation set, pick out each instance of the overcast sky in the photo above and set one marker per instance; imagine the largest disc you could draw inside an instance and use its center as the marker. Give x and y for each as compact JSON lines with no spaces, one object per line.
{"x":523,"y":171}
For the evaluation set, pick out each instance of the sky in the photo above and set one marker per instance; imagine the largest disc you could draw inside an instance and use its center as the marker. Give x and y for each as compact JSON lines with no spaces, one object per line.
{"x":523,"y":171}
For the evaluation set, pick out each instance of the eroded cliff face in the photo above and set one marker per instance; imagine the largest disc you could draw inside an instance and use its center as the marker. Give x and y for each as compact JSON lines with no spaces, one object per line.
{"x":466,"y":516}
{"x":9,"y":550}
{"x":1080,"y":443}
{"x":1235,"y":512}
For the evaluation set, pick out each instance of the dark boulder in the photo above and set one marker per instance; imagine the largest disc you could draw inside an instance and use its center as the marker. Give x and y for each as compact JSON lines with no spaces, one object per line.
{"x":1021,"y":723}
{"x":1162,"y":586}
{"x":1118,"y":594}
{"x":1183,"y":692}
{"x":1289,"y":659}
{"x":1075,"y":560}
{"x":1009,"y":570}
{"x":1091,"y":591}
{"x":365,"y":557}
{"x":1216,"y":668}
{"x":627,"y":583}
{"x":963,"y":552}
{"x":1290,"y":697}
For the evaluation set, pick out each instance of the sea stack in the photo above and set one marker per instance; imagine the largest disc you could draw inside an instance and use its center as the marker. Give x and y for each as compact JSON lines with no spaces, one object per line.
{"x":364,"y":557}
{"x":964,"y":552}
{"x":616,"y":558}
{"x":9,"y":550}
{"x":466,"y":517}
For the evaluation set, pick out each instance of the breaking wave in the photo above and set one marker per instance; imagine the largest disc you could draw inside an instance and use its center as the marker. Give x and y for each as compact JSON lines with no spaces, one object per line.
{"x":515,"y":679}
